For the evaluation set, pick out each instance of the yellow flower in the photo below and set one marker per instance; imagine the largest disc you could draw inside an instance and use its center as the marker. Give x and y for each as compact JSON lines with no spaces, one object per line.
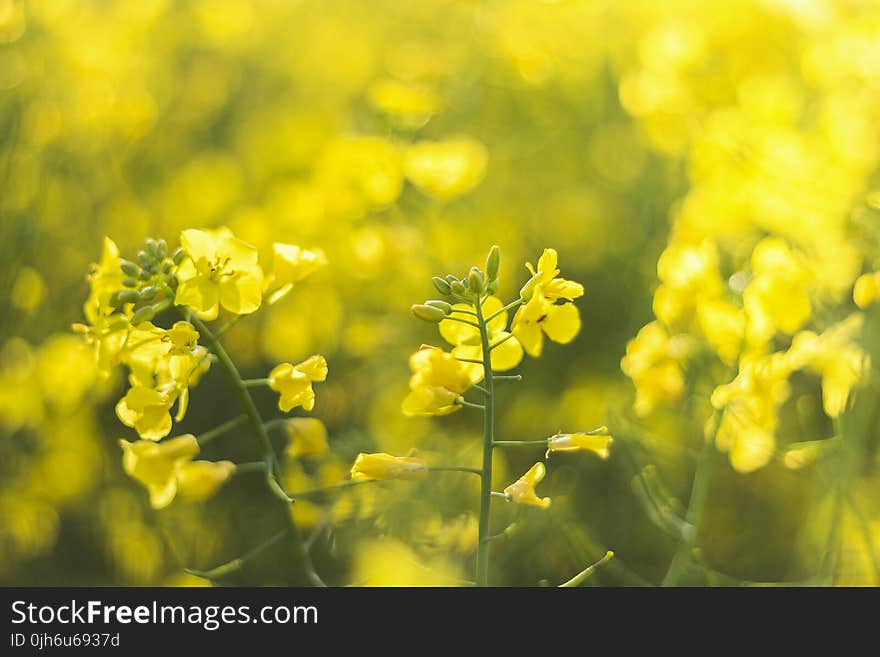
{"x":522,"y":491}
{"x":723,"y":325}
{"x":598,"y":442}
{"x":290,"y":265}
{"x":199,"y":480}
{"x":384,"y":467}
{"x":466,"y":339}
{"x":836,"y":356}
{"x":866,"y":289}
{"x":147,"y":411}
{"x":221,"y":270}
{"x":688,"y":275}
{"x":156,"y":465}
{"x":294,"y":382}
{"x":747,"y":430}
{"x":307,"y":435}
{"x":412,"y":104}
{"x":777,"y":297}
{"x":448,"y":168}
{"x":543,"y":313}
{"x":438,"y":380}
{"x":104,"y":279}
{"x":652,"y":362}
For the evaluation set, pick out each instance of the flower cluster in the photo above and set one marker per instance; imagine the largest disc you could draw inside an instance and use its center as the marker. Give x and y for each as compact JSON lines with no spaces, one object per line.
{"x":486,"y":342}
{"x":212,"y":269}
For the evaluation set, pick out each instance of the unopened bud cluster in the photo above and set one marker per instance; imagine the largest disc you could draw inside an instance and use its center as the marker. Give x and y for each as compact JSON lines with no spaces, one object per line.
{"x":150,"y":283}
{"x":476,"y":283}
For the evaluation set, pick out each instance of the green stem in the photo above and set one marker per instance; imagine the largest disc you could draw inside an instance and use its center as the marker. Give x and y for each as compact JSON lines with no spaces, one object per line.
{"x":469,"y":360}
{"x":518,"y":443}
{"x":696,"y":507}
{"x":461,"y":321}
{"x":578,"y":579}
{"x":253,"y":466}
{"x":508,"y":377}
{"x":236,"y":564}
{"x":207,"y":436}
{"x":512,"y":304}
{"x":259,"y":430}
{"x":482,"y":568}
{"x":255,"y":383}
{"x":455,"y":468}
{"x":464,"y":402}
{"x":502,"y":496}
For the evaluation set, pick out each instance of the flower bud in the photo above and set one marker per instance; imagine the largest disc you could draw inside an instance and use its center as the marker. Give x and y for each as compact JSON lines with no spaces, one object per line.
{"x":457,"y":287}
{"x":166,"y":267}
{"x":475,"y":280}
{"x":143,"y":258}
{"x":145,"y":314}
{"x":493,"y":263}
{"x":441,"y":285}
{"x":129,"y":282}
{"x":148,"y":293}
{"x":529,"y":288}
{"x":442,"y":305}
{"x":161,"y":249}
{"x":129,"y":268}
{"x":450,"y":278}
{"x":492,"y":287}
{"x":427,"y":313}
{"x":178,"y":255}
{"x":124,"y":296}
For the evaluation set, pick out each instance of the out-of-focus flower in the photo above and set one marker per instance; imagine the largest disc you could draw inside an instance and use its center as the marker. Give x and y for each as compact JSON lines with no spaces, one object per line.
{"x":548,"y":308}
{"x":447,"y":168}
{"x":750,"y":403}
{"x":290,"y":265}
{"x":522,"y":491}
{"x":438,"y":379}
{"x":294,"y":382}
{"x":777,"y":298}
{"x":689,"y":276}
{"x":652,"y":362}
{"x":156,"y":465}
{"x":835,"y":355}
{"x":221,"y":270}
{"x":466,"y":339}
{"x":199,"y":480}
{"x":866,"y":290}
{"x":385,"y":467}
{"x":596,"y":442}
{"x":411,"y":104}
{"x":307,"y":436}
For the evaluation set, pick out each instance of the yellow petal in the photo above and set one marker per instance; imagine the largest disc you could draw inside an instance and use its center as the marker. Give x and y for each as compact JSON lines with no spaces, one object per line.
{"x":562,"y":323}
{"x":457,"y":333}
{"x":198,"y":244}
{"x":530,"y":337}
{"x":242,"y":294}
{"x":506,"y":355}
{"x":200,"y":294}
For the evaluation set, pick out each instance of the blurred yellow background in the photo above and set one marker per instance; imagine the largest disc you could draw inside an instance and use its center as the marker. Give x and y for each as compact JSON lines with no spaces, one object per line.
{"x":404,"y":139}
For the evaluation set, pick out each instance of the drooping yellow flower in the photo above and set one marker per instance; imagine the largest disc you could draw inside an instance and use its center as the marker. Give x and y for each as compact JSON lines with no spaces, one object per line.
{"x":836,"y":356}
{"x":652,"y":362}
{"x":548,"y":308}
{"x":221,"y":270}
{"x":384,"y":467}
{"x":595,"y":441}
{"x":866,"y":289}
{"x":522,"y":491}
{"x":199,"y":480}
{"x":750,"y":403}
{"x":448,"y":168}
{"x":156,"y":465}
{"x":290,"y":265}
{"x":146,"y":410}
{"x":438,"y":379}
{"x":307,"y":435}
{"x":466,"y":339}
{"x":777,"y":298}
{"x":294,"y":382}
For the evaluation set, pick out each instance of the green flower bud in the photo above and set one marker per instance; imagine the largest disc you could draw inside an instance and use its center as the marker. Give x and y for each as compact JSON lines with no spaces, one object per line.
{"x":529,"y":288}
{"x":492,"y":286}
{"x":442,"y":305}
{"x":148,"y":293}
{"x":129,"y":268}
{"x":166,"y":267}
{"x":124,"y":296}
{"x":441,"y":285}
{"x":162,"y":249}
{"x":457,"y":287}
{"x":129,"y":282}
{"x":427,"y":313}
{"x":145,"y":275}
{"x":493,"y":263}
{"x":172,"y":281}
{"x":178,"y":255}
{"x":145,"y":314}
{"x":143,"y":258}
{"x":475,"y":280}
{"x":450,"y":278}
